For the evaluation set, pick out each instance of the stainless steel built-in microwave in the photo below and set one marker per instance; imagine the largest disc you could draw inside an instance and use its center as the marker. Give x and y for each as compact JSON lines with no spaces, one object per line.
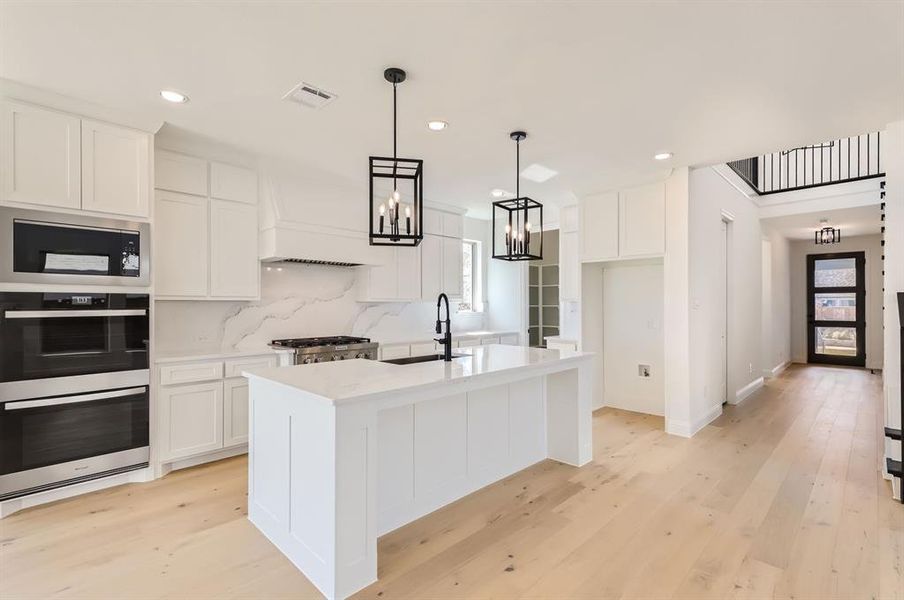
{"x":46,"y":248}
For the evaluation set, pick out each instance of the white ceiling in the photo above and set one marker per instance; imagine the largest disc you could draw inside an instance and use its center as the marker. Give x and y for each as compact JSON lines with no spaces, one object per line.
{"x":600,"y":87}
{"x":861,"y":220}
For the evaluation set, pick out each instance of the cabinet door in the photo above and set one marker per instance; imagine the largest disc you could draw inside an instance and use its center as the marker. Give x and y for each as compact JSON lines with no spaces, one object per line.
{"x":382,"y":281}
{"x":39,"y":156}
{"x":115,"y":169}
{"x":568,"y":217}
{"x":180,"y":173}
{"x":569,"y":266}
{"x":453,"y":225}
{"x":409,"y":273}
{"x":180,"y":245}
{"x":642,"y":220}
{"x":233,"y":183}
{"x":433,"y":222}
{"x":235,"y":412}
{"x":452,"y":266}
{"x":192,"y":419}
{"x":431,"y":267}
{"x":234,"y":266}
{"x":388,"y":352}
{"x":599,"y":227}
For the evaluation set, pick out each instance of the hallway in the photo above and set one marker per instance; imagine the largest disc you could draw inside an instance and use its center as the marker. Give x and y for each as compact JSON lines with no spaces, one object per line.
{"x":779,"y":497}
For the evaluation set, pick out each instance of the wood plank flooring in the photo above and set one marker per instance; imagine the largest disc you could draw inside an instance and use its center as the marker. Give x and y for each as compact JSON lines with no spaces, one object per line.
{"x":781,"y":497}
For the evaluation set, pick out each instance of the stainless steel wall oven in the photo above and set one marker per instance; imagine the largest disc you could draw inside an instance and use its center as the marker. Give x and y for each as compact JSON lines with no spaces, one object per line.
{"x":73,"y":387}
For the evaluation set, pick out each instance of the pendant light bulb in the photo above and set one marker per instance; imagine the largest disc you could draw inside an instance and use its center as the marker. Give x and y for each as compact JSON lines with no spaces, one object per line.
{"x":382,"y":209}
{"x":508,"y":228}
{"x":527,"y":226}
{"x":407,"y":211}
{"x":396,"y":195}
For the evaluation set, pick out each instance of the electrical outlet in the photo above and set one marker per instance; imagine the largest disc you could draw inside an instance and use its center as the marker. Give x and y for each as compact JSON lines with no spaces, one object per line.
{"x":643,"y":370}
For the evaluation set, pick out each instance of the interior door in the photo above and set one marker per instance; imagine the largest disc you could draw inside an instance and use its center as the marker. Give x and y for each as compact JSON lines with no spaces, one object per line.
{"x":836,"y":294}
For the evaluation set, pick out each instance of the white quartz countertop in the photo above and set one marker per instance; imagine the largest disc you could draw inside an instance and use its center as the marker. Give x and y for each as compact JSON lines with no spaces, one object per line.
{"x":337,"y":382}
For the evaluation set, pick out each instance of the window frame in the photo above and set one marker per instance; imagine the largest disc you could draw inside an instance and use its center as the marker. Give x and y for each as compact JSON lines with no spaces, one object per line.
{"x":477,"y":304}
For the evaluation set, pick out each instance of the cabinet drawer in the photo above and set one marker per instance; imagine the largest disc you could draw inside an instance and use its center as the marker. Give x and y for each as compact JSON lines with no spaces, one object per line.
{"x":180,"y":173}
{"x":190,"y":373}
{"x":466,"y":342}
{"x":490,"y":340}
{"x":235,"y":366}
{"x":510,"y":340}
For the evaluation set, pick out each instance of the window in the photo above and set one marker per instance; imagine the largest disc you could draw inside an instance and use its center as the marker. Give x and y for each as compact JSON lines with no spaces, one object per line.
{"x":470,"y":277}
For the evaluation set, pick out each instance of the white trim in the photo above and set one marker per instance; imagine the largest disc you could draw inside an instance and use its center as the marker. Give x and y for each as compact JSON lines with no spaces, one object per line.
{"x":687,"y":429}
{"x":8,"y":507}
{"x":184,"y":463}
{"x":746,"y":391}
{"x":776,"y":370}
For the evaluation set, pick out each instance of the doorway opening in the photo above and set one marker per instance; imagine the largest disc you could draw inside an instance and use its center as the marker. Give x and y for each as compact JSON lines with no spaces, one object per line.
{"x":836,"y":308}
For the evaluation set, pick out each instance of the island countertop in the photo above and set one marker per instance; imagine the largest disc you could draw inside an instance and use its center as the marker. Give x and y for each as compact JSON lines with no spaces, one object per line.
{"x":352,"y":380}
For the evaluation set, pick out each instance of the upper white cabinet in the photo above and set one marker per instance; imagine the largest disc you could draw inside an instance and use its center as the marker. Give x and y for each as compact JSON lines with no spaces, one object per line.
{"x":115,"y":174}
{"x":220,"y":234}
{"x":642,"y":221}
{"x":626,"y":224}
{"x":453,"y":225}
{"x":54,"y":159}
{"x":398,"y":279}
{"x":40,"y":154}
{"x":229,"y":182}
{"x":599,"y":227}
{"x":451,"y":267}
{"x":180,"y":173}
{"x":441,"y":267}
{"x":234,"y":268}
{"x":180,"y":245}
{"x":433,"y":222}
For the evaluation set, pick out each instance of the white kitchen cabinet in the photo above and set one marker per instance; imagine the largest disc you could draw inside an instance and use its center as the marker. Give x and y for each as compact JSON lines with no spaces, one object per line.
{"x":569,"y":266}
{"x":180,"y":173}
{"x":395,"y":351}
{"x":191,"y":419}
{"x":433,"y":222}
{"x":40,"y":154}
{"x":451,"y":267}
{"x":431,"y":267}
{"x":509,"y":339}
{"x":642,"y":221}
{"x":229,"y":182}
{"x":599,"y":227}
{"x":397,"y":279}
{"x":235,"y":412}
{"x":423,"y":348}
{"x":234,"y":267}
{"x":193,"y":372}
{"x":453,"y":225}
{"x":467,"y":342}
{"x":115,"y":174}
{"x":180,"y":245}
{"x":494,"y":339}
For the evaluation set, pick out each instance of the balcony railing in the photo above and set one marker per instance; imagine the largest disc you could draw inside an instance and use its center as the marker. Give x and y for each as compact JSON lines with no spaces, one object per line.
{"x":836,"y":161}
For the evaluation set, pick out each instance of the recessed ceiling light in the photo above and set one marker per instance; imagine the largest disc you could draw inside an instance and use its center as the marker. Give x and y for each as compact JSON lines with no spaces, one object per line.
{"x":663,"y":156}
{"x":498,"y":193}
{"x":436,"y":125}
{"x":173,"y":96}
{"x":538,"y":173}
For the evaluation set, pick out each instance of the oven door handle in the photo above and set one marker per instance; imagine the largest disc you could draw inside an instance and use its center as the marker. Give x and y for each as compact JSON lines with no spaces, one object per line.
{"x":53,"y":314}
{"x":19,"y":405}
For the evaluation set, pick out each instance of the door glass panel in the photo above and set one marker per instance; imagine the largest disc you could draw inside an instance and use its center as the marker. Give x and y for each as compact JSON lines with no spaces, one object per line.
{"x":835,"y":272}
{"x":836,"y":341}
{"x":836,"y":307}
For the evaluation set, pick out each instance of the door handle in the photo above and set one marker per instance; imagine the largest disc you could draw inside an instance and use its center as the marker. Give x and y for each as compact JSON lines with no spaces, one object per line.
{"x":21,"y":404}
{"x":54,"y":314}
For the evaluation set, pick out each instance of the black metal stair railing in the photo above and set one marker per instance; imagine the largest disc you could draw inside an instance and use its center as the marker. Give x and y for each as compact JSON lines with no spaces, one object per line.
{"x":836,"y":161}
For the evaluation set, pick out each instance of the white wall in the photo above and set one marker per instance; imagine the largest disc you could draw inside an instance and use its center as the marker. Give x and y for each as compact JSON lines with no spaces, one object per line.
{"x":870,"y":244}
{"x":507,"y":296}
{"x":632,"y":335}
{"x":776,"y":326}
{"x":712,"y":198}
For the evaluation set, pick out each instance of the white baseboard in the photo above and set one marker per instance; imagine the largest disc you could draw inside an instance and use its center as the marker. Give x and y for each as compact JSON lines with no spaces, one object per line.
{"x":689,"y":429}
{"x":745,"y":392}
{"x":8,"y":507}
{"x":777,"y":370}
{"x":194,"y":461}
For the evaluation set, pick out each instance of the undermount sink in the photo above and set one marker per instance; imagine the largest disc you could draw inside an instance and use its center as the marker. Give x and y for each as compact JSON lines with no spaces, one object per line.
{"x":410,"y":360}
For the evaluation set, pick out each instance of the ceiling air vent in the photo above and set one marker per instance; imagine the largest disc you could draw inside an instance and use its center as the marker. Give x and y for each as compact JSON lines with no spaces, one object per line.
{"x":309,"y":95}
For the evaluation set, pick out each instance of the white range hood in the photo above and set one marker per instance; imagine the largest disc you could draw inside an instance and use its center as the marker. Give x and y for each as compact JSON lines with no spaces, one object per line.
{"x":310,"y":216}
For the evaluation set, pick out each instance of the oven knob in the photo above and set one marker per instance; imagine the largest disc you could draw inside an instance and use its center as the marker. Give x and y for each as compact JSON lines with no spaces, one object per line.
{"x":307,"y":361}
{"x":339,"y":357}
{"x":361,"y":355}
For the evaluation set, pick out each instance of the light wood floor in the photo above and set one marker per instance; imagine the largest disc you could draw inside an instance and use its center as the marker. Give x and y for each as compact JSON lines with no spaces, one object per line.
{"x":780,"y":497}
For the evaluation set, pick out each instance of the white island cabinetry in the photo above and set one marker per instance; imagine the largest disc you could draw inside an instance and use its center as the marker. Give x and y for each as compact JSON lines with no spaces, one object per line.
{"x":343,"y":452}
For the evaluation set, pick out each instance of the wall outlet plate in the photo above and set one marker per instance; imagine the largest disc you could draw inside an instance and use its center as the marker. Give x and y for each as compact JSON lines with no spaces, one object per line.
{"x":643,"y":371}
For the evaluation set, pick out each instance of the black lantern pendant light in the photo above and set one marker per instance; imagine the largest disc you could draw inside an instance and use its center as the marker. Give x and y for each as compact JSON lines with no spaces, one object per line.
{"x":518,"y":222}
{"x":826,"y":234}
{"x":396,"y":205}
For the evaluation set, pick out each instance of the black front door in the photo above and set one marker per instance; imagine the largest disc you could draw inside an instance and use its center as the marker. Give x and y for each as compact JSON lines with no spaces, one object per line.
{"x":836,"y":308}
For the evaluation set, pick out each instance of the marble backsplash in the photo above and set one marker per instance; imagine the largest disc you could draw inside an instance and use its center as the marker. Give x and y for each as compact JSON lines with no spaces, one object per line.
{"x":296,"y":301}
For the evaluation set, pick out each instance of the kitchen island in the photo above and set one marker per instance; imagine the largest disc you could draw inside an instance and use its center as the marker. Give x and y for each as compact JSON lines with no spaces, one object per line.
{"x":343,"y":452}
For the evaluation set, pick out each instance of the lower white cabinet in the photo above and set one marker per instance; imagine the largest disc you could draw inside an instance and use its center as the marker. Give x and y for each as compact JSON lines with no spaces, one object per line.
{"x":199,"y":417}
{"x":192,"y":416}
{"x":235,"y":412}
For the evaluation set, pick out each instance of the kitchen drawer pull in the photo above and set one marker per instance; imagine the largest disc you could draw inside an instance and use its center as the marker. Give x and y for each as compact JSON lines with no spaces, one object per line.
{"x":53,"y":314}
{"x":72,"y":399}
